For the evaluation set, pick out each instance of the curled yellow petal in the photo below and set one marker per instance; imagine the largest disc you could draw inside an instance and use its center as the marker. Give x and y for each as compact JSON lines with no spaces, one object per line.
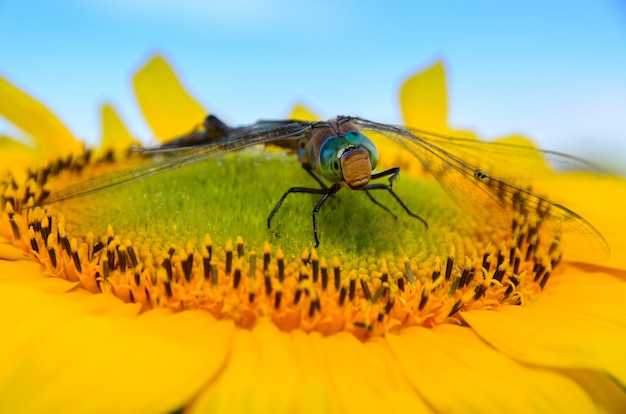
{"x":302,"y":113}
{"x":423,"y":100}
{"x":453,"y":357}
{"x":167,"y":107}
{"x":553,"y":333}
{"x":51,"y":138}
{"x":19,"y":156}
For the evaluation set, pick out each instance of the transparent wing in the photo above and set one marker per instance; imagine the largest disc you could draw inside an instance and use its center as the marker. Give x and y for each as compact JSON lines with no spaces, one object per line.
{"x":462,"y":167}
{"x":494,"y":155}
{"x":176,"y":157}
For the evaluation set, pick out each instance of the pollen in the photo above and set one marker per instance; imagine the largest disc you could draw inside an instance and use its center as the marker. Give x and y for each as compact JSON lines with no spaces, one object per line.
{"x":368,"y":294}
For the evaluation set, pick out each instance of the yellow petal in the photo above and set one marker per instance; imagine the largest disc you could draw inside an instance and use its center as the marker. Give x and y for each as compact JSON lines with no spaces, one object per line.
{"x":17,"y":157}
{"x":601,"y":200}
{"x":361,"y":379}
{"x":115,"y":135}
{"x":454,"y":371}
{"x":64,"y":348}
{"x":578,"y":323}
{"x":302,"y":113}
{"x":260,"y":375}
{"x":423,"y":99}
{"x":399,"y":388}
{"x":51,"y":138}
{"x":316,"y":393}
{"x":230,"y":390}
{"x":167,"y":107}
{"x":606,"y":394}
{"x":8,"y":252}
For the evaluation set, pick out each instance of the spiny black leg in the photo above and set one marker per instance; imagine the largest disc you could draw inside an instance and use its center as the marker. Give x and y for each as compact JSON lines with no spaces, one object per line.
{"x":379,"y":203}
{"x":307,"y":168}
{"x":293,"y":190}
{"x":388,"y":188}
{"x":393,"y":173}
{"x":332,"y":190}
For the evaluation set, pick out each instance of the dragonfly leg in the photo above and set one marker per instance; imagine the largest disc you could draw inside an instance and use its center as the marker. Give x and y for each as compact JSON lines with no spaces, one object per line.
{"x":378,"y":203}
{"x":332,"y":190}
{"x":388,"y":188}
{"x":327,"y":192}
{"x":393,"y":174}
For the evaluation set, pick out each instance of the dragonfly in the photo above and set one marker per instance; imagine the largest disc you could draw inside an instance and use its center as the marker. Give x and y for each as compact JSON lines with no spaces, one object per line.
{"x":338,"y":153}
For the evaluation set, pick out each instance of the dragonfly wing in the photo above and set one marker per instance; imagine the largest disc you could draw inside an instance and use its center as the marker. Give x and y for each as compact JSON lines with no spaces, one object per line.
{"x":177,"y":157}
{"x":261,"y":132}
{"x":455,"y":175}
{"x":500,"y":157}
{"x":214,"y":130}
{"x":492,"y":198}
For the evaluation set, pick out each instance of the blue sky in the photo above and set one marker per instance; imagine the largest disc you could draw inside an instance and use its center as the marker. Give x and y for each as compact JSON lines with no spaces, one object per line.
{"x":554,"y":71}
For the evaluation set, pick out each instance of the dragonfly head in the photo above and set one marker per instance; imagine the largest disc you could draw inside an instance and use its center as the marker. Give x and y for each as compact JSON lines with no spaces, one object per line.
{"x":349,"y":157}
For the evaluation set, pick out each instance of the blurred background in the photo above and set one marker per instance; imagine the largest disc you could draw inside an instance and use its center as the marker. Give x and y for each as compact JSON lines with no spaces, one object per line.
{"x":553,"y":71}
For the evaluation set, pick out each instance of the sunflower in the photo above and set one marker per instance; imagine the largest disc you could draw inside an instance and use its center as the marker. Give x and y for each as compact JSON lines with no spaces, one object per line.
{"x":167,"y":295}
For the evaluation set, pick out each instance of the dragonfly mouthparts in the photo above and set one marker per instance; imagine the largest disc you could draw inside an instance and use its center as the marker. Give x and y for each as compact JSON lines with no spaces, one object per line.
{"x":356,"y":168}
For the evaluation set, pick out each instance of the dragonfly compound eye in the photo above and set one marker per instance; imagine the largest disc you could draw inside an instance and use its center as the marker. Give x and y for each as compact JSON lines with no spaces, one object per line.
{"x":358,"y":140}
{"x":330,"y":158}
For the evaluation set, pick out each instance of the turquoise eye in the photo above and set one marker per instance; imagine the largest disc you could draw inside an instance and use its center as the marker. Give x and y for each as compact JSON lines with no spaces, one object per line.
{"x":333,"y":148}
{"x":330,"y":158}
{"x":356,"y":139}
